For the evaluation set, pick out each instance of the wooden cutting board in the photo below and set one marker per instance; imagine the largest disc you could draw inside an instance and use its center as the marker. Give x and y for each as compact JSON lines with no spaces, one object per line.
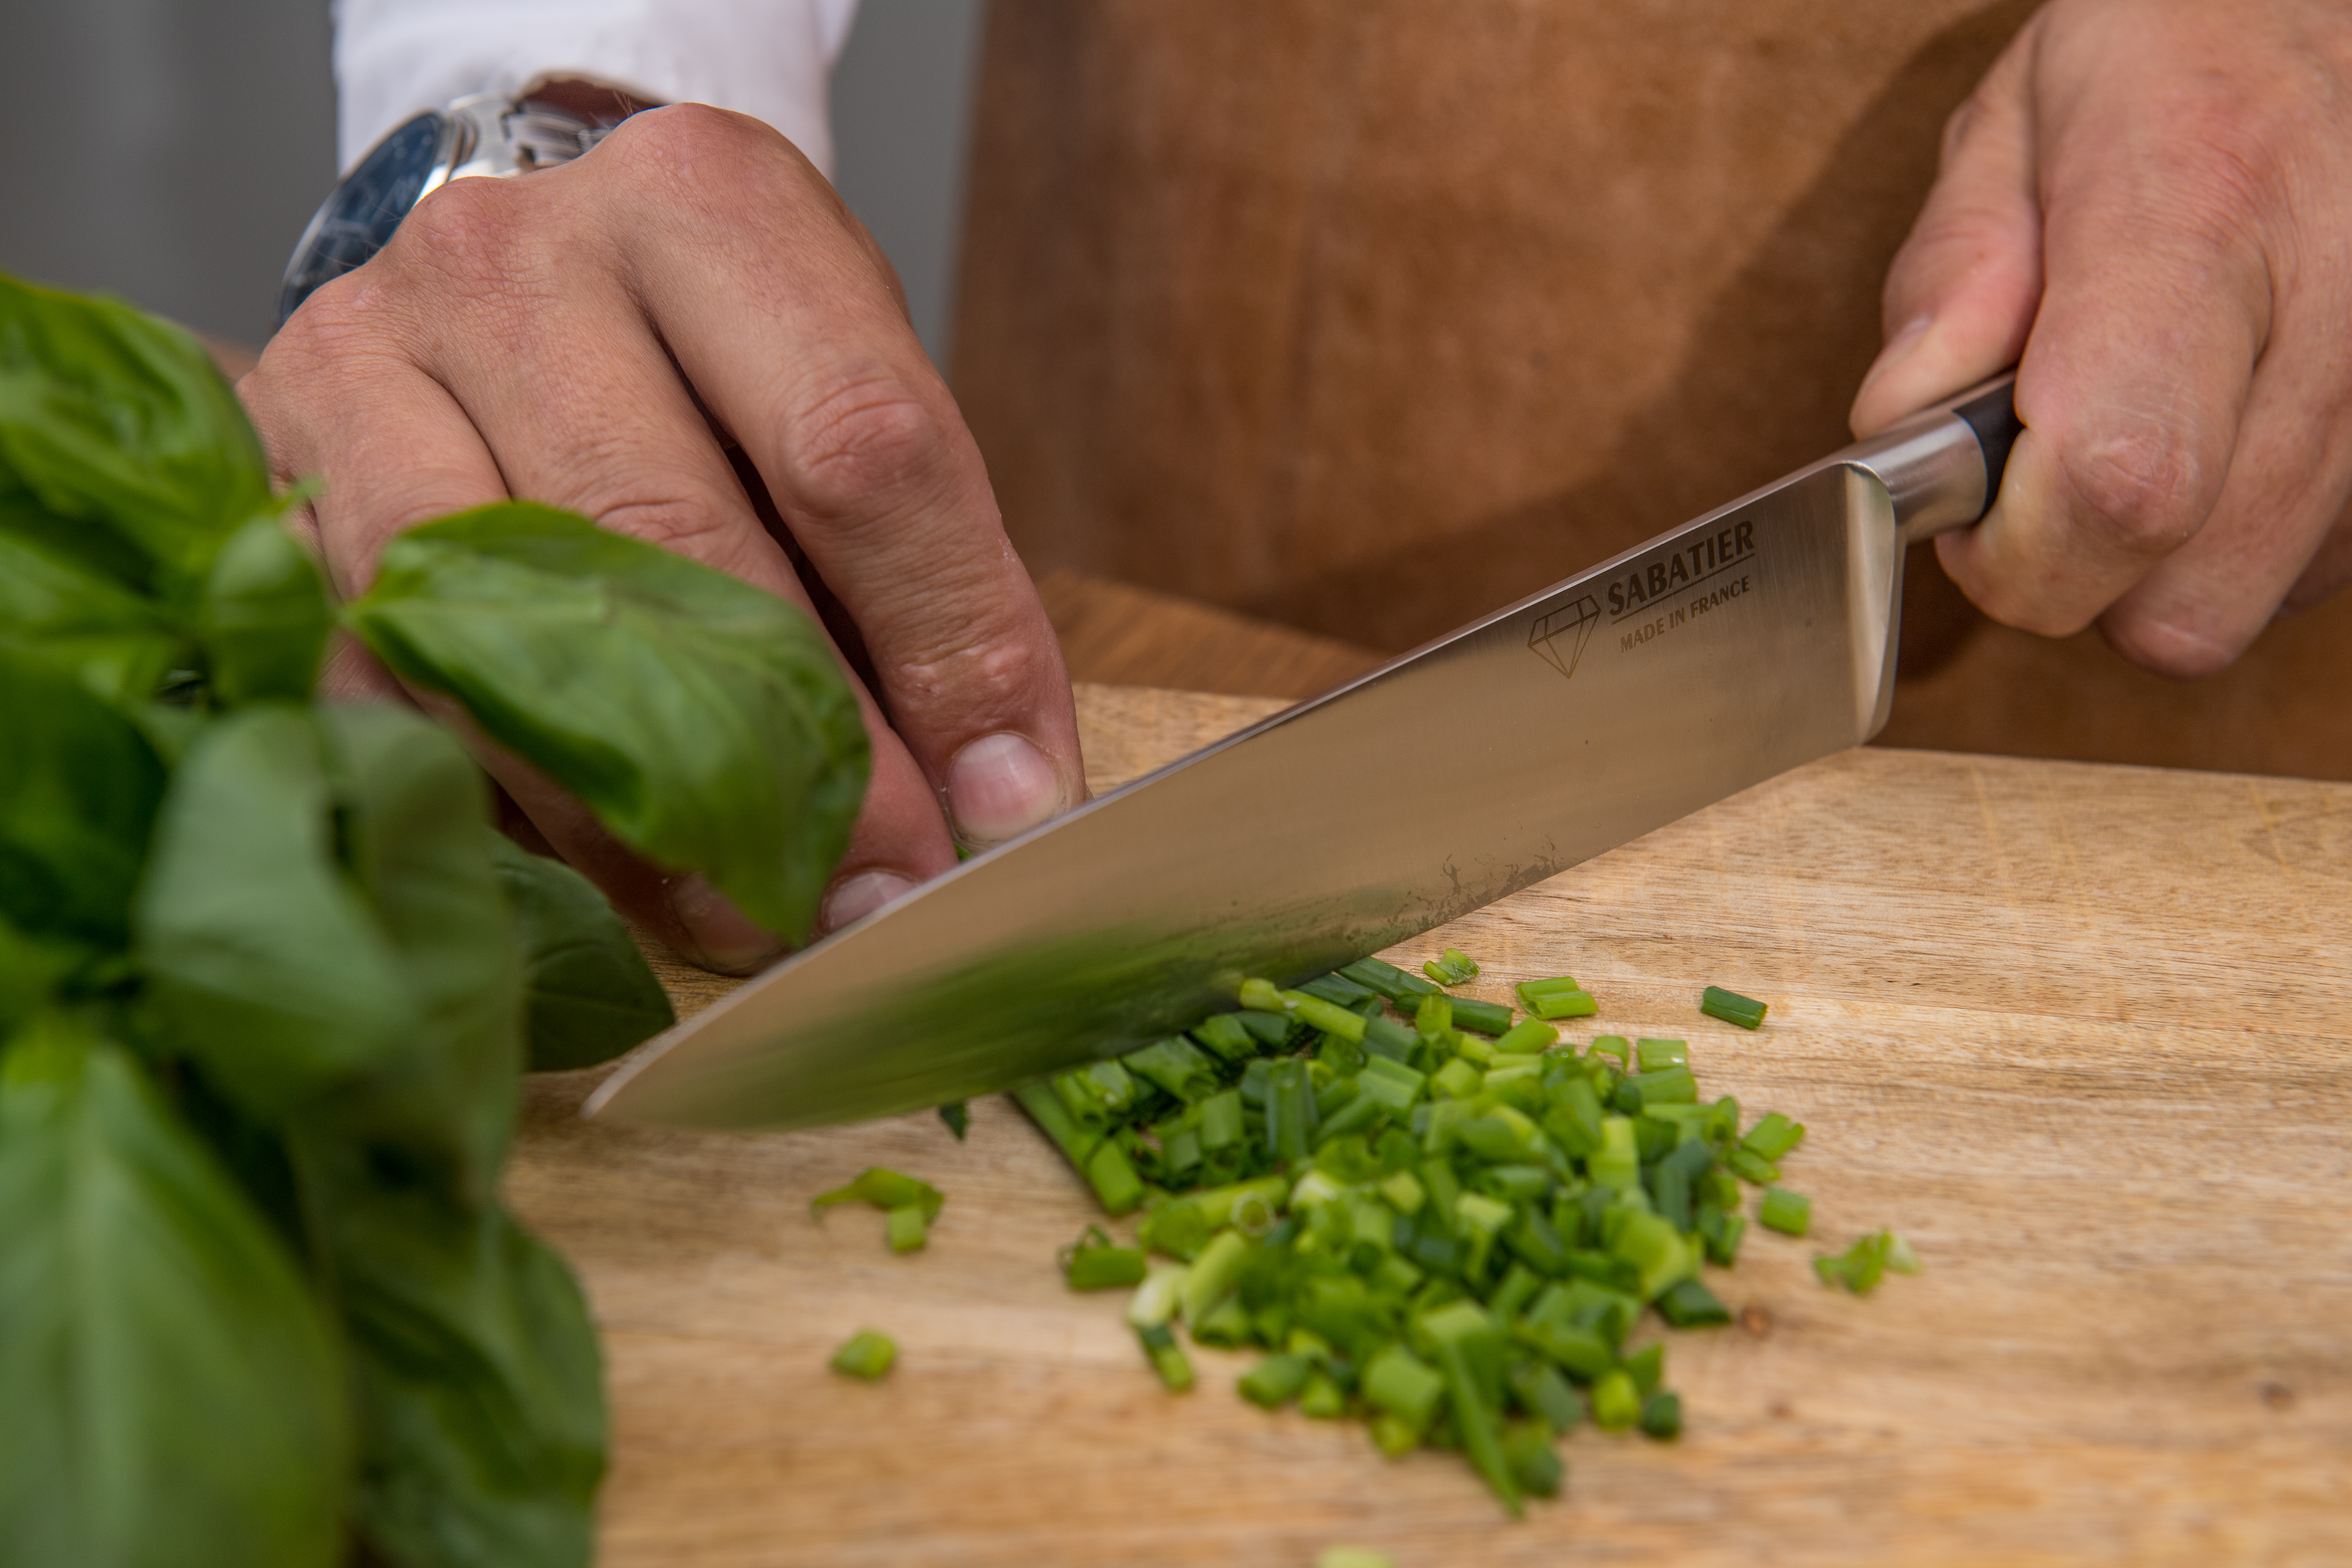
{"x":2083,"y":1033}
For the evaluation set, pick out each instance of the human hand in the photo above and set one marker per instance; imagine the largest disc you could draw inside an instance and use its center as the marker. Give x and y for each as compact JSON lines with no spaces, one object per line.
{"x":598,"y":336}
{"x":2146,"y":206}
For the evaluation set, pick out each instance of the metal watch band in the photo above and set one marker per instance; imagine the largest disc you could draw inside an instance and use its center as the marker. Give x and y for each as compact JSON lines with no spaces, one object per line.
{"x":484,"y":133}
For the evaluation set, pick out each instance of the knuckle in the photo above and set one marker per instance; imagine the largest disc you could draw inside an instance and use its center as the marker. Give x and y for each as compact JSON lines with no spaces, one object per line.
{"x":692,"y":145}
{"x":2141,"y":486}
{"x":867,"y":437}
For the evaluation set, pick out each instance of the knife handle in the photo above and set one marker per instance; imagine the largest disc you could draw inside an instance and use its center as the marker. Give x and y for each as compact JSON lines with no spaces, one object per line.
{"x":1942,"y":466}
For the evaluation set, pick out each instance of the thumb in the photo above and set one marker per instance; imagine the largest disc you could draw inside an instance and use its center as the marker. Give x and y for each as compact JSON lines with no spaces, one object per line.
{"x":1961,"y":296}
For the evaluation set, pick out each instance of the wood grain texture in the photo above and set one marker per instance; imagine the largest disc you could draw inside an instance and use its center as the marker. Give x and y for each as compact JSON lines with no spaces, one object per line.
{"x":2081,"y":1032}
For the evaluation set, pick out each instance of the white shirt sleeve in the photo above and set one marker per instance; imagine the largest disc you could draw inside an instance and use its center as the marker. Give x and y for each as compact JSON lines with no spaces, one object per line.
{"x":767,"y":59}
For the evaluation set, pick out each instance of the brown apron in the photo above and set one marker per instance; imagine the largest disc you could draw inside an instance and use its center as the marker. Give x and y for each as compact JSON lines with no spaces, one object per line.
{"x":1368,"y":316}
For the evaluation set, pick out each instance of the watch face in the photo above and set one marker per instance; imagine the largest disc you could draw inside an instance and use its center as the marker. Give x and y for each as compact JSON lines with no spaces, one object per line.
{"x":360,"y":214}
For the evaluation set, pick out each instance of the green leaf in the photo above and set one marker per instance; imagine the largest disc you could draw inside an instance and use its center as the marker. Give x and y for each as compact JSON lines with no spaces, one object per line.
{"x":119,"y":443}
{"x":264,"y":616}
{"x":78,"y":790}
{"x":704,"y":721}
{"x":588,"y":993}
{"x":110,"y":638}
{"x":173,"y":1396}
{"x":31,"y":970}
{"x":480,"y":1397}
{"x":264,"y":963}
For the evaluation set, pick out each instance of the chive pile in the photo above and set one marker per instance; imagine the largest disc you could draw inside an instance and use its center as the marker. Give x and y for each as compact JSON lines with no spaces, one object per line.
{"x":1428,"y":1216}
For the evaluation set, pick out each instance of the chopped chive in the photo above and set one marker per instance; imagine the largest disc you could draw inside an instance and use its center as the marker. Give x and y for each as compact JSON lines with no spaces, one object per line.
{"x":1616,"y":1403}
{"x":1530,"y":1035}
{"x":885,"y":1189}
{"x":868,"y":1354}
{"x":1175,"y":1064}
{"x":1485,"y":1017}
{"x":1338,"y":989}
{"x":1861,"y":1266}
{"x":1261,"y":996}
{"x":1096,"y":1262}
{"x":1322,"y":1398}
{"x":1791,"y":1213}
{"x":1404,"y":1385}
{"x":1387,"y":979}
{"x":1565,"y":1004}
{"x":1652,"y":1055}
{"x":1167,"y":1357}
{"x":1324,"y":1015}
{"x":1438,"y":1224}
{"x":958,"y":1117}
{"x":1276,"y":1381}
{"x":1691,"y":1305}
{"x":1451,"y":967}
{"x":906,"y":1228}
{"x":1732,"y":1007}
{"x":1773,"y":1137}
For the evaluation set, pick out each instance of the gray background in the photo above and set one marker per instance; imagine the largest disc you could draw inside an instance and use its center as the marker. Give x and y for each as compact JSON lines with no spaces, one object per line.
{"x":170,"y":150}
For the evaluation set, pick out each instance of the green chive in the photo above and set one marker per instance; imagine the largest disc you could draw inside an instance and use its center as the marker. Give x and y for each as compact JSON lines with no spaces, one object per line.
{"x":1616,"y":1403}
{"x":1746,"y":1164}
{"x":1485,"y":1017}
{"x":1276,"y":1381}
{"x":1261,"y":996}
{"x":1451,"y":967}
{"x":1338,"y":989}
{"x":1662,"y":1416}
{"x":1530,"y":1036}
{"x":885,"y":1189}
{"x":1325,"y":1015}
{"x":1791,"y":1213}
{"x":1353,"y":1557}
{"x":1691,"y":1305}
{"x":1565,"y":1004}
{"x":1616,"y":1045}
{"x":1652,"y":1055}
{"x":1225,"y":1036}
{"x":1167,"y":1357}
{"x":1096,"y":1262}
{"x":1773,"y":1137}
{"x":1732,"y":1007}
{"x":868,"y":1354}
{"x":906,"y":1228}
{"x":1175,"y":1064}
{"x":957,"y":1116}
{"x":1387,"y":979}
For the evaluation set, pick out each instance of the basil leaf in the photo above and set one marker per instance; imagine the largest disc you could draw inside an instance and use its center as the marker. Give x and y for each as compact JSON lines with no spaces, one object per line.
{"x":172,"y":1392}
{"x":704,"y":721}
{"x":264,"y":616}
{"x":119,"y":443}
{"x":481,"y":1404}
{"x":78,"y":790}
{"x":110,"y":638}
{"x":264,"y":964}
{"x":588,"y":993}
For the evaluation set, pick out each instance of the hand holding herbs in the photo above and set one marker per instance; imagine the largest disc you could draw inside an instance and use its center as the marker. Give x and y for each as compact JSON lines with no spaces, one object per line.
{"x":267,"y":975}
{"x":1443,"y":1223}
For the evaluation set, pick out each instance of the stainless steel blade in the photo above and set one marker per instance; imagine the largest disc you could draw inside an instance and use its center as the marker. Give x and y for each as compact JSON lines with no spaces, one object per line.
{"x":1758,"y":637}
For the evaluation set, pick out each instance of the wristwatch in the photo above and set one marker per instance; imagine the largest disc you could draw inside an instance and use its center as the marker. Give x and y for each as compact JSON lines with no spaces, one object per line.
{"x":485,"y":133}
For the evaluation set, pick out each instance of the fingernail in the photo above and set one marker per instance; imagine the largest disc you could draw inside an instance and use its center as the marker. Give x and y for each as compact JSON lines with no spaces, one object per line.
{"x":1000,"y":785}
{"x":1898,"y":347}
{"x":856,"y":896}
{"x":723,"y":937}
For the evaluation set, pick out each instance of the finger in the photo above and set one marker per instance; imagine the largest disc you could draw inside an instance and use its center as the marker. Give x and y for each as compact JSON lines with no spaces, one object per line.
{"x":2288,"y":478}
{"x":2157,"y":304}
{"x":816,"y":372}
{"x":586,"y":411}
{"x":1962,"y":293}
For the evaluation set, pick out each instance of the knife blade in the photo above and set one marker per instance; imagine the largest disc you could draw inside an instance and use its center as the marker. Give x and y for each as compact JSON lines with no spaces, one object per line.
{"x":1751,"y":640}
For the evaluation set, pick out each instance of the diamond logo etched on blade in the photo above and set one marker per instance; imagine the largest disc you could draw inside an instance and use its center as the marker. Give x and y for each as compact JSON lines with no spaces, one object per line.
{"x":1561,"y":636}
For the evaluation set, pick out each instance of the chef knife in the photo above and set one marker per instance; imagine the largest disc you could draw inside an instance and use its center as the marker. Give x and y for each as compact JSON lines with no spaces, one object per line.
{"x":1756,"y":638}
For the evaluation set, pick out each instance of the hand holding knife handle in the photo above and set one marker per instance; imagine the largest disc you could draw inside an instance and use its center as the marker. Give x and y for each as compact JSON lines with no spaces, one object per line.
{"x":1942,"y":466}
